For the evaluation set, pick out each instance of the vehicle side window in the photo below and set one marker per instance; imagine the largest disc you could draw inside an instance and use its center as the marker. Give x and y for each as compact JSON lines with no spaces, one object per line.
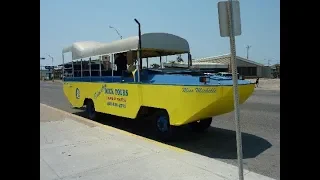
{"x":106,"y":66}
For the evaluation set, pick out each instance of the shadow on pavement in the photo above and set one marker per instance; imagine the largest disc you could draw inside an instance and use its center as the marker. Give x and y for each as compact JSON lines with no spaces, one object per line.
{"x":215,"y":143}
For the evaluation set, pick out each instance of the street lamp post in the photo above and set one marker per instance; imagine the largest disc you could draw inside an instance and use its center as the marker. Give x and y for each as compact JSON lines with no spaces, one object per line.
{"x":43,"y":58}
{"x":52,"y":67}
{"x":111,"y":27}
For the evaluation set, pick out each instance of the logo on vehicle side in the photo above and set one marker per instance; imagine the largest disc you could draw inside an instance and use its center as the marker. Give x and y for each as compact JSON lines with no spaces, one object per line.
{"x":77,"y":93}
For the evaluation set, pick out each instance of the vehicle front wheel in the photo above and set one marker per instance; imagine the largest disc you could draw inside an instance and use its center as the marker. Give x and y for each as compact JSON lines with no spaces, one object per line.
{"x":201,"y":125}
{"x":164,"y":131}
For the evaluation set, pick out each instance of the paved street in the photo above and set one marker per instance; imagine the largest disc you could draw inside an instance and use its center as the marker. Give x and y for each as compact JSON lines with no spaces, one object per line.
{"x":260,"y":120}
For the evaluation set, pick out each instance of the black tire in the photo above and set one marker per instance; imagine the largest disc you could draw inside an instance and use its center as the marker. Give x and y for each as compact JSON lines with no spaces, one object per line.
{"x":90,"y":110}
{"x":163,"y":129}
{"x":200,"y":126}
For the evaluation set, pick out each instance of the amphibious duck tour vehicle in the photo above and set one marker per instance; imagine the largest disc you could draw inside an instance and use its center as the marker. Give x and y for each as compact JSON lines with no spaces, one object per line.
{"x":109,"y":78}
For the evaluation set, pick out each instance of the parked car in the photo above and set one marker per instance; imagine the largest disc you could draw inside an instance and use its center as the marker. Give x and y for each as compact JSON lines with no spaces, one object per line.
{"x":227,"y":74}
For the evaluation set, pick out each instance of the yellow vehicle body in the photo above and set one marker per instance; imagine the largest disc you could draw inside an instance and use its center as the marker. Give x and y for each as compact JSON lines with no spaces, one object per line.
{"x":184,"y":103}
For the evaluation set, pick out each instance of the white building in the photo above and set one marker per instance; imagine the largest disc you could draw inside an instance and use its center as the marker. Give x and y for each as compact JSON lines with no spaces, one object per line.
{"x":246,"y":68}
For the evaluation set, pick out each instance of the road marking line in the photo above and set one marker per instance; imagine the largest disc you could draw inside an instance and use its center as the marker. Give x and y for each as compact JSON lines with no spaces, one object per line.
{"x":115,"y":129}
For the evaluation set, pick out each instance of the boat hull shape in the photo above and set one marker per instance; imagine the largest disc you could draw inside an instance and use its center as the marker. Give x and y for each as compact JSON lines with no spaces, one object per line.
{"x":184,"y":103}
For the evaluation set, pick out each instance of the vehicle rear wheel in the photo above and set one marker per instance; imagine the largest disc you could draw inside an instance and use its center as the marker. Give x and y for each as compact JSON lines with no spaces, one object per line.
{"x":90,"y":110}
{"x":201,"y":125}
{"x":164,"y":131}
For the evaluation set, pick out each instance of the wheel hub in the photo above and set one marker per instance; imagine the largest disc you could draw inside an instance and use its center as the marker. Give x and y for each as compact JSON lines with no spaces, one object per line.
{"x":162,"y":124}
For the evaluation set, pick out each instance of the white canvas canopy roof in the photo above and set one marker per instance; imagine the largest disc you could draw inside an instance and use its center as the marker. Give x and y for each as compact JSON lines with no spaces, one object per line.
{"x":162,"y":42}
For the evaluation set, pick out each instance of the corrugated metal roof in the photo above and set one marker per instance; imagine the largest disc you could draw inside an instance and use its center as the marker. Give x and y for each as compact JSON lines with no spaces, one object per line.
{"x":225,"y":59}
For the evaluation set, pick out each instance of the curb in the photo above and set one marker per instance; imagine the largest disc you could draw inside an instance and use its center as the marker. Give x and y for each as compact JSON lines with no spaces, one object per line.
{"x":115,"y":129}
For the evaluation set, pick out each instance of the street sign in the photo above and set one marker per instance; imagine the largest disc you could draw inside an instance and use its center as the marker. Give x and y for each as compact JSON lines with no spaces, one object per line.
{"x":224,"y":18}
{"x":49,"y":67}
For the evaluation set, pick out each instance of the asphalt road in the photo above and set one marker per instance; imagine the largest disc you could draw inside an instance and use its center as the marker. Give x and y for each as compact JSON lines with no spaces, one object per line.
{"x":260,"y":124}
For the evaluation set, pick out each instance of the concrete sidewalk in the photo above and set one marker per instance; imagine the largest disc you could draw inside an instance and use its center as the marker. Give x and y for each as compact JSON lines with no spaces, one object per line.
{"x":72,"y":147}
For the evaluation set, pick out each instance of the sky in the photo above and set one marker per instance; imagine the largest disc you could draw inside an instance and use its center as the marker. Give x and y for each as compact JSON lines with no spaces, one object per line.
{"x":63,"y":22}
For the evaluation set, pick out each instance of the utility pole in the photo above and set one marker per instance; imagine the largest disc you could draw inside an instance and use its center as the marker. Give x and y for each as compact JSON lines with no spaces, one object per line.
{"x":248,"y":47}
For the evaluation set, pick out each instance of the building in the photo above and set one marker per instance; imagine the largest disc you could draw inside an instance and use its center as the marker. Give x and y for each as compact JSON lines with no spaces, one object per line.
{"x":275,"y":70}
{"x":246,"y":68}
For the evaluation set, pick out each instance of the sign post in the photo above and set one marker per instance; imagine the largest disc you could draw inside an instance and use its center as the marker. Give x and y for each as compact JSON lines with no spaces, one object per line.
{"x":41,"y":58}
{"x":230,"y":26}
